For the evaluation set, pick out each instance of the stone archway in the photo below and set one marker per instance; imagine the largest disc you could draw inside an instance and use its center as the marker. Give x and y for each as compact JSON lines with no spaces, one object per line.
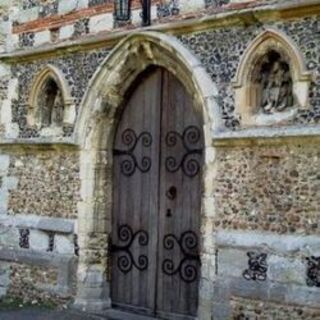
{"x":95,"y":130}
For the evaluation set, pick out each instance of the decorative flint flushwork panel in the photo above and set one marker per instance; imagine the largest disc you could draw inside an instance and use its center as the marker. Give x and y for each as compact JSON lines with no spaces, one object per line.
{"x":313,"y":272}
{"x":257,"y":267}
{"x":220,"y":51}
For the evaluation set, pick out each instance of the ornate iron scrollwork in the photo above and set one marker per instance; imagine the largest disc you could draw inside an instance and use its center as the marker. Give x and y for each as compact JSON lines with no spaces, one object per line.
{"x":187,"y":242}
{"x":130,"y":139}
{"x":189,"y":165}
{"x":126,"y":260}
{"x":24,"y":238}
{"x":258,"y":267}
{"x":313,"y":272}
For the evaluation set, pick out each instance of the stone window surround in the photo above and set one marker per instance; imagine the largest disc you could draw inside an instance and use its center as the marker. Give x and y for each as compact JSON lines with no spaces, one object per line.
{"x":245,"y":89}
{"x":69,"y":105}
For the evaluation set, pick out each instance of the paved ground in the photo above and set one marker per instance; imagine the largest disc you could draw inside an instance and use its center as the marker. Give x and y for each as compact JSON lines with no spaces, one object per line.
{"x":33,"y":314}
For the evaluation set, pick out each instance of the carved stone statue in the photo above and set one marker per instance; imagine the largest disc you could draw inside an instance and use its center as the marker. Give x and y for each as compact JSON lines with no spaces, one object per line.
{"x":276,"y":84}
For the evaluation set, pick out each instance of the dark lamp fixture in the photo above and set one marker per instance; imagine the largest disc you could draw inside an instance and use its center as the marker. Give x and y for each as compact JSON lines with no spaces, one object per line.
{"x":122,"y":10}
{"x":146,"y":12}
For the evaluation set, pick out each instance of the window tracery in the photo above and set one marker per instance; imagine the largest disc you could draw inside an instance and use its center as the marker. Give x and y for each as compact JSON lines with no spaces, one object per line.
{"x":50,"y":104}
{"x":51,"y":107}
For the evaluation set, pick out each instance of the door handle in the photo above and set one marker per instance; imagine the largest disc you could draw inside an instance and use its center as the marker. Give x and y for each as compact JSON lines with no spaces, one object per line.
{"x":171,"y":193}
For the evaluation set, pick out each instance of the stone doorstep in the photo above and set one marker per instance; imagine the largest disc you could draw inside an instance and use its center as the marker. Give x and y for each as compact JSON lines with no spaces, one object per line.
{"x":113,"y":314}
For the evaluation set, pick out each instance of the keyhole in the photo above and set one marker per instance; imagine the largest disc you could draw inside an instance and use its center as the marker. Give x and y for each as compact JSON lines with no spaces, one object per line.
{"x":169,"y":213}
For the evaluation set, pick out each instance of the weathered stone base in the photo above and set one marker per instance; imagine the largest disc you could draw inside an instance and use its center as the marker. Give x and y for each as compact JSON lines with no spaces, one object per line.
{"x":37,"y":278}
{"x":253,"y":309}
{"x":264,"y":276}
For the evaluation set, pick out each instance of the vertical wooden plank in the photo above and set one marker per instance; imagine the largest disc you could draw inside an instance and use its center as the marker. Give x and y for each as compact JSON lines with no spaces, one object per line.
{"x":180,"y":170}
{"x":136,"y":169}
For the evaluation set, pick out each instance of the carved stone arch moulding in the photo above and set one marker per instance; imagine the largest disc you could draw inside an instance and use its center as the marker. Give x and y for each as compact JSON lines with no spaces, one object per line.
{"x":126,"y":61}
{"x":50,"y":105}
{"x":99,"y":113}
{"x":272,"y":82}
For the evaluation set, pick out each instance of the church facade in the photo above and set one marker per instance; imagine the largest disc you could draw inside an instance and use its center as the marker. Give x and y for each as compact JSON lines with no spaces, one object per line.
{"x":161,"y":157}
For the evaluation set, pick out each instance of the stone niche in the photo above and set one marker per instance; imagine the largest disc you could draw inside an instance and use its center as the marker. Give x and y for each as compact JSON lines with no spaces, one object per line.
{"x":272,"y":83}
{"x":51,"y":106}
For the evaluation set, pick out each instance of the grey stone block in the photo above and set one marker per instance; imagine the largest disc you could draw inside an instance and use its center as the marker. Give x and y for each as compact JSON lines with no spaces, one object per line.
{"x":4,"y":163}
{"x":3,"y":291}
{"x":3,"y":201}
{"x":286,"y":270}
{"x":66,"y":32}
{"x":38,"y":240}
{"x":221,"y":311}
{"x":232,"y":262}
{"x":286,"y":244}
{"x":63,"y":244}
{"x":66,"y":6}
{"x":9,"y":237}
{"x":91,"y":305}
{"x":95,"y":279}
{"x":35,"y":257}
{"x":10,"y":183}
{"x":221,"y":291}
{"x":27,"y":15}
{"x":249,"y":289}
{"x":278,"y":292}
{"x":56,"y":224}
{"x":4,"y":278}
{"x":303,"y":296}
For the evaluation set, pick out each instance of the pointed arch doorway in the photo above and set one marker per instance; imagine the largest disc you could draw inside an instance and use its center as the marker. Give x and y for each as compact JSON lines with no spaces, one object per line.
{"x":158,"y":156}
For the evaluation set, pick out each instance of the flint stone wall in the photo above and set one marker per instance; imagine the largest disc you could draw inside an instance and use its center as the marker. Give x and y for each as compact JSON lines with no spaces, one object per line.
{"x":219,"y":50}
{"x":265,"y":199}
{"x":39,"y":192}
{"x":250,"y":309}
{"x":48,"y":184}
{"x":268,"y":188}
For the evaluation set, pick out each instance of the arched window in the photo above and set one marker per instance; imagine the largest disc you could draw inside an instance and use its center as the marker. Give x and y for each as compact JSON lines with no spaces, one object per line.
{"x":271,"y":83}
{"x":50,"y":105}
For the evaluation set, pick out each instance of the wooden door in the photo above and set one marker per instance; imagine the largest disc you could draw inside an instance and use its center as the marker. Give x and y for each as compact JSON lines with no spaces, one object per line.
{"x":135,"y":201}
{"x":157,"y":197}
{"x":179,"y":202}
